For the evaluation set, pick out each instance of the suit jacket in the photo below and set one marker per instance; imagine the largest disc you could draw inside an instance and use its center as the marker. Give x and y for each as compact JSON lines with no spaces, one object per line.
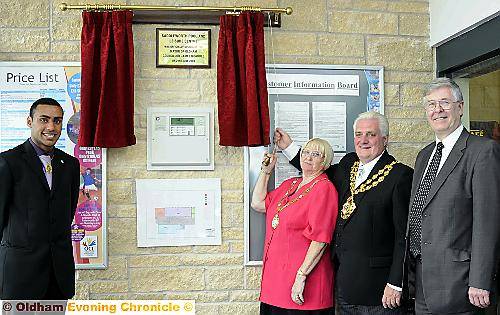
{"x":35,"y":223}
{"x":460,"y":223}
{"x":369,"y":247}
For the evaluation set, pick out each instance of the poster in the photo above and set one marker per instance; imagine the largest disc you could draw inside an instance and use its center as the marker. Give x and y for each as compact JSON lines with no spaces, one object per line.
{"x":329,"y":123}
{"x":21,"y":83}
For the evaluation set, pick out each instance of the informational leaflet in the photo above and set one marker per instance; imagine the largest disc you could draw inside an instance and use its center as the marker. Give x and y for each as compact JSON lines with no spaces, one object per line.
{"x":295,"y":116}
{"x":22,"y":83}
{"x":337,"y":157}
{"x":329,"y":123}
{"x":178,"y":212}
{"x":283,"y":170}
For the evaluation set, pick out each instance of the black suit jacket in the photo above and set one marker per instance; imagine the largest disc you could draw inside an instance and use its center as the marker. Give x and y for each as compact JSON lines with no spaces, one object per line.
{"x":369,"y":247}
{"x":35,"y":223}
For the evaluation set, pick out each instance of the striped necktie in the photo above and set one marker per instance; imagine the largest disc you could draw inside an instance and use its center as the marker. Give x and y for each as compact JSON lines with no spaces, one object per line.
{"x":418,"y":203}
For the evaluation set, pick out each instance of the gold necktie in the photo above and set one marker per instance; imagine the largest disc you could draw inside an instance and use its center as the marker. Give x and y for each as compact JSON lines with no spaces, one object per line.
{"x":48,"y":168}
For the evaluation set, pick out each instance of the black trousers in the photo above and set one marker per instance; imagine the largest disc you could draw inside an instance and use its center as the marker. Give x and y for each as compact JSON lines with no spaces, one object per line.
{"x":53,"y":291}
{"x":344,"y":308}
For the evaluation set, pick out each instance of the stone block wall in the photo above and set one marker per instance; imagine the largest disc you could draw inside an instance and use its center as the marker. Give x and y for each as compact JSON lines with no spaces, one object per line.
{"x":391,"y":33}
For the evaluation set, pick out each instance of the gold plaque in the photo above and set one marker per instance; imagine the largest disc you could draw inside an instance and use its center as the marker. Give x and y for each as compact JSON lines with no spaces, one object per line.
{"x":182,"y":48}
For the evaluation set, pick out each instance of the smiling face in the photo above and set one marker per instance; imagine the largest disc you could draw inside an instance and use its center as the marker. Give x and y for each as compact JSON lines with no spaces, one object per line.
{"x":46,"y":126}
{"x":368,"y":140}
{"x":444,"y":122}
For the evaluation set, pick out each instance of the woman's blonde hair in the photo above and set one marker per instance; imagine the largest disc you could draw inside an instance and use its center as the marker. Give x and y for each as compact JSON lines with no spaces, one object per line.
{"x":323,"y":147}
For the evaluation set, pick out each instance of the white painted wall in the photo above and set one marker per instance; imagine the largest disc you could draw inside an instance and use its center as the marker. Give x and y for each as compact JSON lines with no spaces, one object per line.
{"x":450,"y":18}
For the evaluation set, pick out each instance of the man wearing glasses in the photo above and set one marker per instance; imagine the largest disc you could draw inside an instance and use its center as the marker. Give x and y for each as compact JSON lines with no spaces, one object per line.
{"x":369,"y":242}
{"x":453,"y":228}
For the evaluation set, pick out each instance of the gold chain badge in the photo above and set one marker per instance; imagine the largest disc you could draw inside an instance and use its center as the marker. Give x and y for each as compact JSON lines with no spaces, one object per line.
{"x":276,"y":219}
{"x":349,"y":206}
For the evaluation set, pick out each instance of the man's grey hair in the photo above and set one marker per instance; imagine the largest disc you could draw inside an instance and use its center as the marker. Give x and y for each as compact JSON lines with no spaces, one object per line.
{"x":445,"y":82}
{"x":383,"y":124}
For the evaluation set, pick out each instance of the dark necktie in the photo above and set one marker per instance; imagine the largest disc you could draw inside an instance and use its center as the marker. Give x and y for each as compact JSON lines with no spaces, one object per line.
{"x":419,"y":201}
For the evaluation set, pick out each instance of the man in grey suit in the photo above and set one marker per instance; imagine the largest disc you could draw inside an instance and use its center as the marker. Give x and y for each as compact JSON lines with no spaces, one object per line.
{"x":453,"y":227}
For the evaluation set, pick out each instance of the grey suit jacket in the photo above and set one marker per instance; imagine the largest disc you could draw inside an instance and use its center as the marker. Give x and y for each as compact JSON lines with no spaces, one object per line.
{"x":460,"y":223}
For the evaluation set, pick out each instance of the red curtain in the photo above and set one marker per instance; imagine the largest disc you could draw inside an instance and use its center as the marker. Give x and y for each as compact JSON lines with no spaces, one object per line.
{"x":241,"y":81}
{"x":107,"y":86}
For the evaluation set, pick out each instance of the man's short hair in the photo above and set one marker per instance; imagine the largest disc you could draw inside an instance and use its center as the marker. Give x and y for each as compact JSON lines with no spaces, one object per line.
{"x":445,"y":82}
{"x":383,"y":124}
{"x":43,"y":101}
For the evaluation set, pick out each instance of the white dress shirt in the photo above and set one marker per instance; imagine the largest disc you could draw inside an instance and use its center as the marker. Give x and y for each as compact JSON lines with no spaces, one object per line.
{"x":291,"y":151}
{"x":448,"y":144}
{"x":365,"y":169}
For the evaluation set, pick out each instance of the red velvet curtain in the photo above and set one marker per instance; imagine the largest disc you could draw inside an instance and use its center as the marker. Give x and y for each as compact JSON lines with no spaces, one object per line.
{"x":241,"y":81}
{"x":107,"y":86}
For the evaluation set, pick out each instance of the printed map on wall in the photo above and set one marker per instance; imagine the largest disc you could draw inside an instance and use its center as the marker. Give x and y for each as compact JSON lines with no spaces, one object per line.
{"x":21,"y":83}
{"x":178,"y":212}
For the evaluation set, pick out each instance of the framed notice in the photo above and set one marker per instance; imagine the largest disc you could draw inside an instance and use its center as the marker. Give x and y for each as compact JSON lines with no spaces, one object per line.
{"x":21,"y":83}
{"x":182,"y":48}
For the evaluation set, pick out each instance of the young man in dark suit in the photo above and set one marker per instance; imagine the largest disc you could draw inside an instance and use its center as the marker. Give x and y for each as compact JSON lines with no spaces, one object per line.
{"x":39,"y":187}
{"x":369,"y":241}
{"x":453,"y":230}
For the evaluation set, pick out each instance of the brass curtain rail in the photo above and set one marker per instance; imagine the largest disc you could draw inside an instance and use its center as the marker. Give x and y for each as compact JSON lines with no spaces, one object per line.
{"x":100,"y":7}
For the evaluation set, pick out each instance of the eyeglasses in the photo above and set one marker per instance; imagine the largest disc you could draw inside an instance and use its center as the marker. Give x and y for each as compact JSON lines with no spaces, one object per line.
{"x":312,"y":154}
{"x":445,"y":104}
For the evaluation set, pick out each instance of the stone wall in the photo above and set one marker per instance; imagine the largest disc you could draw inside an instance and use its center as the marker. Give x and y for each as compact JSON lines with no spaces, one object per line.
{"x":390,"y":33}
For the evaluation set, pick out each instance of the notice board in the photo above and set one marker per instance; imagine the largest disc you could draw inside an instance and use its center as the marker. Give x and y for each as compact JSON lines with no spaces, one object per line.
{"x":308,"y":101}
{"x":22,"y":83}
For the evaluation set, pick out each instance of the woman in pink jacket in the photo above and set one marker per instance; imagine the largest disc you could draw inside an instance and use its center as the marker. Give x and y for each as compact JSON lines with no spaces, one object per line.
{"x":297,"y":274}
